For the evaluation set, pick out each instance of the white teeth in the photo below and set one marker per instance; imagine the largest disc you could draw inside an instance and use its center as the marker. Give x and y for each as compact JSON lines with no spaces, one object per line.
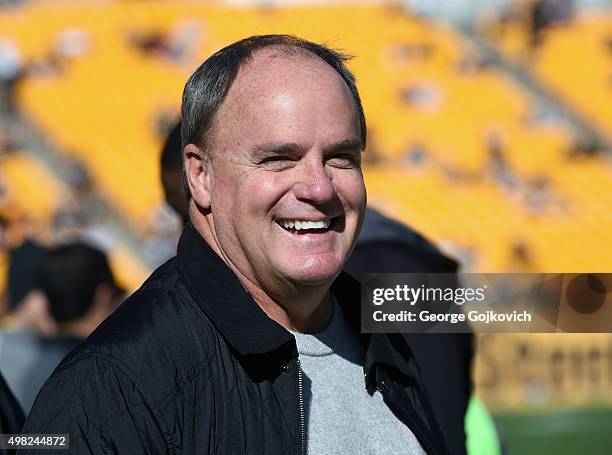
{"x":299,"y":225}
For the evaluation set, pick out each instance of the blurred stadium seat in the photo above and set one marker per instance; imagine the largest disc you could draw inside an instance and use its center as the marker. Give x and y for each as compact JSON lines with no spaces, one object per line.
{"x":31,"y":188}
{"x":422,"y":87}
{"x":572,"y":58}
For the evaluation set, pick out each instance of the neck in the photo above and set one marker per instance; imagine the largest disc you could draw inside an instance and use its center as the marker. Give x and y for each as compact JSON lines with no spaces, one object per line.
{"x":305,"y":309}
{"x":306,"y":312}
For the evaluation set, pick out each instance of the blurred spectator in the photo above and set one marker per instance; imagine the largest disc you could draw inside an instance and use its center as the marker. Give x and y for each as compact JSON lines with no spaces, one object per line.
{"x":164,"y":121}
{"x":388,"y":246}
{"x":77,"y":285}
{"x":31,"y":314}
{"x":162,"y":238}
{"x":171,"y":172}
{"x":24,"y":263}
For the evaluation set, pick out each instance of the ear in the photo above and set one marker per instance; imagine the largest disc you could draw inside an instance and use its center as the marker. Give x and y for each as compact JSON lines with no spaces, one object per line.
{"x":198,"y":172}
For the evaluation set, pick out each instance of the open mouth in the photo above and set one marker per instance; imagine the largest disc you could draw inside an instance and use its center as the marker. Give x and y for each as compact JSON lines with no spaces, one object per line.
{"x":301,"y":227}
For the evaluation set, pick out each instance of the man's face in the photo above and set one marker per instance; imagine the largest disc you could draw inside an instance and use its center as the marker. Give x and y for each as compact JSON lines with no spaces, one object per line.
{"x":286,"y":188}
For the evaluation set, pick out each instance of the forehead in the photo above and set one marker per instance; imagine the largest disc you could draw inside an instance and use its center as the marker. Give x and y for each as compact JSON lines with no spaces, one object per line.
{"x":281,"y":64}
{"x":284,"y":85}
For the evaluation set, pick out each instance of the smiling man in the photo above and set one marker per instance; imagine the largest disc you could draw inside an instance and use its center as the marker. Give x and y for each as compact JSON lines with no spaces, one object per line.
{"x":248,"y":341}
{"x":277,"y":189}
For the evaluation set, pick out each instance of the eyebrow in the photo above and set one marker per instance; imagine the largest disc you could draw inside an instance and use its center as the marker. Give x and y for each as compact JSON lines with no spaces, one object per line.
{"x":276,"y":148}
{"x":349,"y":144}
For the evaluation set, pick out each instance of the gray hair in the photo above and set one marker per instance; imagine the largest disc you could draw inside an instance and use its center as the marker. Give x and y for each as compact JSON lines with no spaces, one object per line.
{"x":208,"y":85}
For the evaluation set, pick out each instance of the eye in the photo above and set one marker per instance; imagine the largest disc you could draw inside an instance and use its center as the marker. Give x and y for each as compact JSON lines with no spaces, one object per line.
{"x":277,"y":162}
{"x":345,"y":160}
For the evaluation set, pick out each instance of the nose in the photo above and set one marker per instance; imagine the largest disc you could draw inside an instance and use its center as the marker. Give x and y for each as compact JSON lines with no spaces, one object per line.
{"x":314,"y":184}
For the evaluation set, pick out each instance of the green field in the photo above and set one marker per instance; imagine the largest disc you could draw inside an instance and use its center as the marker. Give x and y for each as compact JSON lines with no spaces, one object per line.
{"x":573,"y":431}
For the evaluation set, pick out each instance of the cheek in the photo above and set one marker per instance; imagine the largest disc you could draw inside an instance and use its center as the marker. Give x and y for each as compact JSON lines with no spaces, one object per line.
{"x":222,"y":195}
{"x":244,"y":200}
{"x":352,"y":191}
{"x":259,"y":193}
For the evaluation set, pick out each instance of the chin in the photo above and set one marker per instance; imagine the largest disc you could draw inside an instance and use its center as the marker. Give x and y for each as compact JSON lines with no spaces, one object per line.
{"x":315,"y":272}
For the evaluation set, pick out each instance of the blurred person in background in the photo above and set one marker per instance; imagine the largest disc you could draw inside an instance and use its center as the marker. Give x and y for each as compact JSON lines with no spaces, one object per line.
{"x":76,"y":286}
{"x":21,"y":308}
{"x":171,"y":165}
{"x":28,"y":308}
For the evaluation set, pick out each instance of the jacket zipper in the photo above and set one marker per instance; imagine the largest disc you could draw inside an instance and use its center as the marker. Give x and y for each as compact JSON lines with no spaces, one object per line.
{"x":301,"y":405}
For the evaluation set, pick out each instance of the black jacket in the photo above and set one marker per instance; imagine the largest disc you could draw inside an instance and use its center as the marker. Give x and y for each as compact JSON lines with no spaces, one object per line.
{"x":191,"y":364}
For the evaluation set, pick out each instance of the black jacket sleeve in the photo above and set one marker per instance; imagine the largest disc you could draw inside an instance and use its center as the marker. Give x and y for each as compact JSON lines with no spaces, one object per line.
{"x":11,"y":415}
{"x":99,"y":407}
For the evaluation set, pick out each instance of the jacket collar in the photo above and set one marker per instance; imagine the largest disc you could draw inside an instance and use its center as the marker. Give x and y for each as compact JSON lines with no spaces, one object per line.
{"x":224,"y":300}
{"x":243,"y":323}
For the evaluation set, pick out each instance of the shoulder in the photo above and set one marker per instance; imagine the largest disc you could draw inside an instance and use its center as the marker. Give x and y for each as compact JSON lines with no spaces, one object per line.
{"x":158,"y":335}
{"x":118,"y":381}
{"x":79,"y":387}
{"x":101,"y":409}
